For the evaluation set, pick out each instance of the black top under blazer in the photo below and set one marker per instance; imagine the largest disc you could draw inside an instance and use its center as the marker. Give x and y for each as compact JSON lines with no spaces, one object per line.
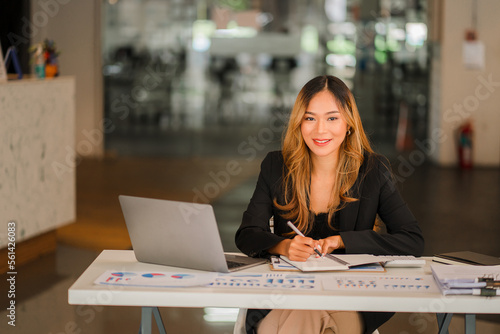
{"x":377,"y":193}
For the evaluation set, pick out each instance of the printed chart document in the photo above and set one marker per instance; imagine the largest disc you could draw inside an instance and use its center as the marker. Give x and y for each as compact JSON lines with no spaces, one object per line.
{"x":146,"y":279}
{"x":155,"y":279}
{"x":423,"y":283}
{"x":333,"y":262}
{"x":272,"y":281}
{"x":467,"y":280}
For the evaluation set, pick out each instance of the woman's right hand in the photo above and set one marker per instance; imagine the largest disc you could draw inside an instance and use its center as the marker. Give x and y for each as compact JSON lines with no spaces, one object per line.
{"x":296,"y":249}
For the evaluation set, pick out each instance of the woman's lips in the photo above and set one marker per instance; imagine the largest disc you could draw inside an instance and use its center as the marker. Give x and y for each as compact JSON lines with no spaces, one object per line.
{"x":321,"y":142}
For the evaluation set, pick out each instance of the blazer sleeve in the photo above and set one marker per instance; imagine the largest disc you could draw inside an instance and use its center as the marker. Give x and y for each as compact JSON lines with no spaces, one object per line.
{"x":254,"y":235}
{"x":381,"y":195}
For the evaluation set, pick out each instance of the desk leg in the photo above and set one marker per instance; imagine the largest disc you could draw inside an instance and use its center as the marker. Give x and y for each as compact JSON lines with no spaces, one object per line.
{"x":159,"y":321}
{"x":470,"y":324}
{"x":146,"y":314}
{"x":444,"y":320}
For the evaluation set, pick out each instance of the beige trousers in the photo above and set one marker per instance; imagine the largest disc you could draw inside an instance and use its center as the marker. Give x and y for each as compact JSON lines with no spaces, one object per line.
{"x":311,"y":322}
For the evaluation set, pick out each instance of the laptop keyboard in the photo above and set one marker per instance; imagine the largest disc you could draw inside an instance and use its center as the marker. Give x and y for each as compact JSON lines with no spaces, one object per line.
{"x":234,"y":264}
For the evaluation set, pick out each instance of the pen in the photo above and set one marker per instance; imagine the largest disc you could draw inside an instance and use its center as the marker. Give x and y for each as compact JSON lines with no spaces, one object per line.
{"x":296,"y":230}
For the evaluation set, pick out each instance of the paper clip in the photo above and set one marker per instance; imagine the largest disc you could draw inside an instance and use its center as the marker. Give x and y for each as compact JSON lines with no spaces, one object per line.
{"x":490,"y":282}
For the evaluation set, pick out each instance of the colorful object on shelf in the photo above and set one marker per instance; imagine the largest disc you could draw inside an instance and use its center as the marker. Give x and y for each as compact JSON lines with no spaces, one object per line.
{"x":51,"y":70}
{"x":39,"y":62}
{"x":45,"y":56}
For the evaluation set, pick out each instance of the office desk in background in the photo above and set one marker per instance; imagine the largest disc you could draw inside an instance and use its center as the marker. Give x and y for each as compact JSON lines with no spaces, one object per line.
{"x":85,"y":292}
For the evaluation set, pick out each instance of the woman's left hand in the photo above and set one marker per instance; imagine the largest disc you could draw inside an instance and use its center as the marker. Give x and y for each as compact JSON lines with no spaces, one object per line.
{"x":330,"y":244}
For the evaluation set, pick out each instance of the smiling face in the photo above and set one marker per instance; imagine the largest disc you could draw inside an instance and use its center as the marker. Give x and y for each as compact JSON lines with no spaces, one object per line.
{"x":323,"y":126}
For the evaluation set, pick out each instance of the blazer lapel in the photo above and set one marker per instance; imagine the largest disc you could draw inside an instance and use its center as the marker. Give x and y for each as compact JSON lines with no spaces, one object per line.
{"x":349,"y":215}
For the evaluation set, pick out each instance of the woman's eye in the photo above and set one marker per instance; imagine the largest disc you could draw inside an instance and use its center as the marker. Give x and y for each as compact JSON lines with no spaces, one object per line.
{"x":309,"y":119}
{"x":332,"y":118}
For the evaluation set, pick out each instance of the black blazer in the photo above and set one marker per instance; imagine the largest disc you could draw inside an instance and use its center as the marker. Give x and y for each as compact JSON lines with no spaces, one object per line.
{"x":377,"y":193}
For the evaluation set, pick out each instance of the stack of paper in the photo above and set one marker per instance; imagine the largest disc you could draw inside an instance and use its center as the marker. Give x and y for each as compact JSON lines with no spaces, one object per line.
{"x":467,"y":280}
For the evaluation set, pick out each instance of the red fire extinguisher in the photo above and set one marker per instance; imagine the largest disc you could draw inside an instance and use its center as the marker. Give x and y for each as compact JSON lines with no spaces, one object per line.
{"x":465,"y":145}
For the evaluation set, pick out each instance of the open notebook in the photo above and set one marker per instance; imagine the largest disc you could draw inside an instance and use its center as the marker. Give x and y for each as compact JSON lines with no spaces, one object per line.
{"x":333,"y":262}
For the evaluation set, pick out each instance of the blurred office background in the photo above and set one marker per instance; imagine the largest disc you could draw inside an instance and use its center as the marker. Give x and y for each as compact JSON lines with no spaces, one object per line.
{"x":169,"y":91}
{"x":197,"y":74}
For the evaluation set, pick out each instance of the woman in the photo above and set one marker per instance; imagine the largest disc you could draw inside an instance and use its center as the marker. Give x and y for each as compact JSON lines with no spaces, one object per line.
{"x":328,"y":182}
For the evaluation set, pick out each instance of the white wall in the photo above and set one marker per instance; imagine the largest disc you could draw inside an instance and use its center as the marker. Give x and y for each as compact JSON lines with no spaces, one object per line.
{"x":75,"y":25}
{"x":466,"y":93}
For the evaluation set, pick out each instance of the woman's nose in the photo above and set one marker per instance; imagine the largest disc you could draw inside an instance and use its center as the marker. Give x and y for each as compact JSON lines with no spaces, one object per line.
{"x":321,"y":126}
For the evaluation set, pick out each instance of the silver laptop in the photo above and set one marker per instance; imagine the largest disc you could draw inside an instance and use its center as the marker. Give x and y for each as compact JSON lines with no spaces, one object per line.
{"x":178,"y":234}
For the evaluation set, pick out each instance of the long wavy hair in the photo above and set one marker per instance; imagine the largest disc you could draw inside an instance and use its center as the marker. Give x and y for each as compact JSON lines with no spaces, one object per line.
{"x":297,"y":156}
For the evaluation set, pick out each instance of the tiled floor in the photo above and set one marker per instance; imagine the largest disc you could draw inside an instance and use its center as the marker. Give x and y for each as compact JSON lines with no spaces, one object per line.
{"x":456,"y":209}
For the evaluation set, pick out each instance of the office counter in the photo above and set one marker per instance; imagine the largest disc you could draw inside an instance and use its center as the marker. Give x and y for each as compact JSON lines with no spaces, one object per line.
{"x":37,"y":160}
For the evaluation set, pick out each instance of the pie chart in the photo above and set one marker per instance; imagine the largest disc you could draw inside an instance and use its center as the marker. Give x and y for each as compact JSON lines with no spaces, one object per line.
{"x":153,"y":275}
{"x":122,"y":274}
{"x":181,"y":276}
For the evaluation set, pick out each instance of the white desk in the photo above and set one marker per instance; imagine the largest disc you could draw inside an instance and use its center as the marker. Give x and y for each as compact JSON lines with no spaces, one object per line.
{"x":85,"y":292}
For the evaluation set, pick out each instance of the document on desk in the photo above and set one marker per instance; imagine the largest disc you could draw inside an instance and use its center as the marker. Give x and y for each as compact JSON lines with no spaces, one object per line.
{"x":238,"y":280}
{"x":383,"y":283}
{"x":155,"y":279}
{"x":267,"y":281}
{"x":333,"y":262}
{"x":467,"y":280}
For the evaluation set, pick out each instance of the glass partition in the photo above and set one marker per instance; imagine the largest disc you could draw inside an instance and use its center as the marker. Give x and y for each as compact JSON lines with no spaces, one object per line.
{"x":204,"y":77}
